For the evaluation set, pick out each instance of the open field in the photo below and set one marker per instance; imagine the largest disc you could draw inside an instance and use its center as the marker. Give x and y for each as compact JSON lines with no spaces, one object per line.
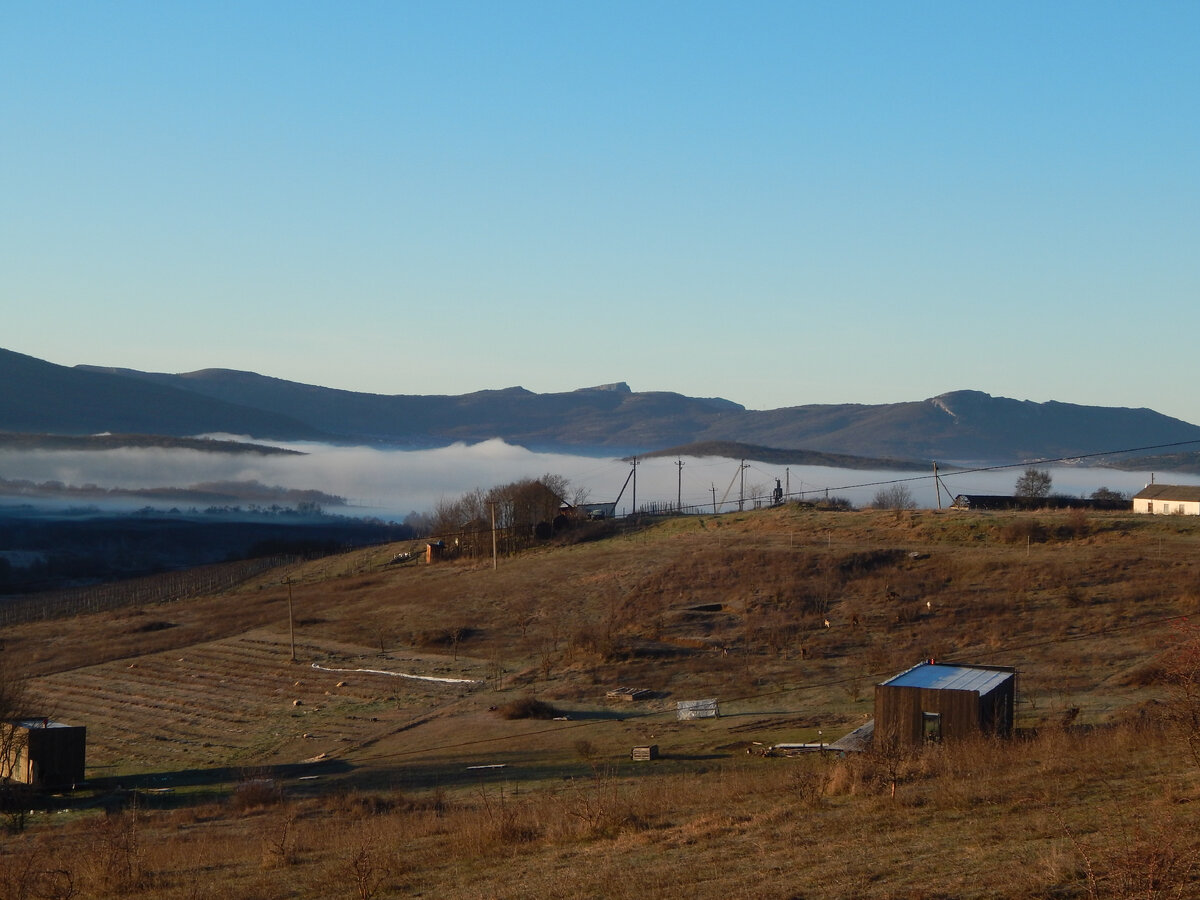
{"x":218,"y":766}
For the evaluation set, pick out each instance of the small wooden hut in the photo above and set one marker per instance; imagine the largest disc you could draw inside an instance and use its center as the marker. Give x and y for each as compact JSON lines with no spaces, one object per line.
{"x":42,"y":753}
{"x":938,"y":701}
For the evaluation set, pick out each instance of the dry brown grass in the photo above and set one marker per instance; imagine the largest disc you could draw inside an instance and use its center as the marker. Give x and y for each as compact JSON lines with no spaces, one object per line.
{"x":1066,"y":814}
{"x":733,"y":607}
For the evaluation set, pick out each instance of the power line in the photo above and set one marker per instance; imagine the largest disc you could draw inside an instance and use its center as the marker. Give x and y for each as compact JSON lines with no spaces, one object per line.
{"x":999,"y":467}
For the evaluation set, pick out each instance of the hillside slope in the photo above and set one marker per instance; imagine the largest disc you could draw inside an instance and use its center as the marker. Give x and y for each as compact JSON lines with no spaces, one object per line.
{"x":257,"y":776}
{"x":42,"y":397}
{"x":962,"y":426}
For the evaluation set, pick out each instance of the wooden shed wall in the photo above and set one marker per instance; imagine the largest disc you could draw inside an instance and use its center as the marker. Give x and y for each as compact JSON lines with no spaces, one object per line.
{"x":57,"y":755}
{"x":996,"y":709}
{"x":899,"y":712}
{"x":47,"y":757}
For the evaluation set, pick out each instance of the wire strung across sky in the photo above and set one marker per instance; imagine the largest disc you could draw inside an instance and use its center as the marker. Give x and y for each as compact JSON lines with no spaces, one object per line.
{"x":837,"y":682}
{"x":954,"y":471}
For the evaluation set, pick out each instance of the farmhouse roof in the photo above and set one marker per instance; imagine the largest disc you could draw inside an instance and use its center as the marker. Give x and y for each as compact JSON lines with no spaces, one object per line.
{"x":944,"y":677}
{"x":1189,"y":492}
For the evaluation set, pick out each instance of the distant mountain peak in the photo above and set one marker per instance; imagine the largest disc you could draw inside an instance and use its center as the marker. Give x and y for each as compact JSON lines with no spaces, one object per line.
{"x":956,"y":403}
{"x":959,"y":425}
{"x":616,"y":387}
{"x":515,"y":391}
{"x":951,"y":397}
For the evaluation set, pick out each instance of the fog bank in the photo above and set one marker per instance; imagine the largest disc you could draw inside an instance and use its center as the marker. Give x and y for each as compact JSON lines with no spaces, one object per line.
{"x":392,"y":483}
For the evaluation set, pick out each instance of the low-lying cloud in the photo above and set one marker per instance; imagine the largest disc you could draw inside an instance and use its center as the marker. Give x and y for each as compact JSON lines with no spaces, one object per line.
{"x":392,"y":483}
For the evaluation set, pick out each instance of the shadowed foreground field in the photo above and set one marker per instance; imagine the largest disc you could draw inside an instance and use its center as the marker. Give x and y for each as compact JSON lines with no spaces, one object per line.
{"x":219,"y":767}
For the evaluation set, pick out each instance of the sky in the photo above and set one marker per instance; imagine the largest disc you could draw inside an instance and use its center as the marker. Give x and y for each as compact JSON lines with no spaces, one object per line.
{"x":776,"y":203}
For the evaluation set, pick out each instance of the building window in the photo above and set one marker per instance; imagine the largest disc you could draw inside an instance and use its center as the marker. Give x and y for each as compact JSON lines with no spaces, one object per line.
{"x":933,"y":727}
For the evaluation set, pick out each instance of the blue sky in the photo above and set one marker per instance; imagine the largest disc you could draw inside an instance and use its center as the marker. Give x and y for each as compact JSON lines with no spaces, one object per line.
{"x":777,"y":203}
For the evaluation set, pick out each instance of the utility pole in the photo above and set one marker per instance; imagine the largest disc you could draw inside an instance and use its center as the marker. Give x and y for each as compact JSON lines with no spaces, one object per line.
{"x":291,"y":619}
{"x":787,"y":481}
{"x":937,"y":484}
{"x":635,"y":465}
{"x":492,"y":504}
{"x":714,"y":492}
{"x":742,"y":487}
{"x":679,"y":488}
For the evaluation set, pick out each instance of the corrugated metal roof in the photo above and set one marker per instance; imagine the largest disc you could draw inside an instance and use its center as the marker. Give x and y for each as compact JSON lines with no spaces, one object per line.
{"x":941,"y":677}
{"x":858,"y":740}
{"x":1180,"y":492}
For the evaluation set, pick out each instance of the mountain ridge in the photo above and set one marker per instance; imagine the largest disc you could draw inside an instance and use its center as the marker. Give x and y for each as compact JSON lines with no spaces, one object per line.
{"x":612,"y":419}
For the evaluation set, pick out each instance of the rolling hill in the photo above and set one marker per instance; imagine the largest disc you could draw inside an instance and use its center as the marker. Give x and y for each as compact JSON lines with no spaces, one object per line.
{"x":960,"y":426}
{"x":373,"y":750}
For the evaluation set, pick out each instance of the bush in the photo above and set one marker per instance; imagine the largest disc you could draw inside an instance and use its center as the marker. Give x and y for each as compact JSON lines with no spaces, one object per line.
{"x":839,"y":504}
{"x":898,"y":496}
{"x":1022,"y":531}
{"x":527,"y":707}
{"x":256,"y":793}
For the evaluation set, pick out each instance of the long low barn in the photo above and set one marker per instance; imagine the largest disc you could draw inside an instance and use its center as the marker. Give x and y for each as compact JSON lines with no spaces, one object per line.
{"x":1163,"y":499}
{"x":1001,"y":501}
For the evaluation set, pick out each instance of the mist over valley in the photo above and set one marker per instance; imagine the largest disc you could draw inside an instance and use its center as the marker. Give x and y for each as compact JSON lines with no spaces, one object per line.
{"x":302,"y":467}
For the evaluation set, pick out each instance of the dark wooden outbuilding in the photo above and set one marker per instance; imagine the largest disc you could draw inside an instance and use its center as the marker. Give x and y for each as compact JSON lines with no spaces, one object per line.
{"x":999,"y":501}
{"x":939,"y":701}
{"x":43,"y":753}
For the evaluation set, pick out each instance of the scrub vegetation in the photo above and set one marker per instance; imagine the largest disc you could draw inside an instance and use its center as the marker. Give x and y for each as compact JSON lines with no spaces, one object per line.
{"x":488,"y":762}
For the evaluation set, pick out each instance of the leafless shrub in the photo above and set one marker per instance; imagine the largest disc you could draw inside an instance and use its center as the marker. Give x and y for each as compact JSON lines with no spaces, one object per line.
{"x":29,"y":876}
{"x":505,"y":822}
{"x":367,"y":868}
{"x":527,"y":707}
{"x":586,"y":750}
{"x":1157,"y":859}
{"x":16,"y":800}
{"x":256,"y":792}
{"x":1023,"y":531}
{"x":1077,"y":522}
{"x":279,"y":845}
{"x":115,"y":855}
{"x":447,"y":638}
{"x":1181,"y":670}
{"x":598,"y":805}
{"x":808,"y":784}
{"x":15,"y":797}
{"x":897,"y":497}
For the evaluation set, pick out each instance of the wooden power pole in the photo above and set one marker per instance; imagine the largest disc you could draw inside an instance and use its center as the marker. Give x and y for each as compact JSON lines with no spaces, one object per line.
{"x":493,"y":506}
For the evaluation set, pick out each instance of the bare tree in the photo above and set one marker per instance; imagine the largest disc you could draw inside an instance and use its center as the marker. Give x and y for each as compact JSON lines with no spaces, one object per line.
{"x":14,"y":699}
{"x":898,"y":496}
{"x":1033,"y":483}
{"x":1182,"y":675}
{"x":14,"y":705}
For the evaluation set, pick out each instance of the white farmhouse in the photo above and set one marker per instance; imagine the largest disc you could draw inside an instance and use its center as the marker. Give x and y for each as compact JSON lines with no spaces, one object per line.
{"x":1162,"y":499}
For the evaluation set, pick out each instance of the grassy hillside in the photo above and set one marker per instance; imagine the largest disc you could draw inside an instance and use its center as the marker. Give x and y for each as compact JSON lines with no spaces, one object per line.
{"x":218,"y":766}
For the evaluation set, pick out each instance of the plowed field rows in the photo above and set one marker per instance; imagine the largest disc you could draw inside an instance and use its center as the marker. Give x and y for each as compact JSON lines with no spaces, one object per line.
{"x":241,"y":702}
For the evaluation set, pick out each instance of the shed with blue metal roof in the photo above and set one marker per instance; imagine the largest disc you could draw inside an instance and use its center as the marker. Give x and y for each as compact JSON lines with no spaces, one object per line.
{"x":936,"y":701}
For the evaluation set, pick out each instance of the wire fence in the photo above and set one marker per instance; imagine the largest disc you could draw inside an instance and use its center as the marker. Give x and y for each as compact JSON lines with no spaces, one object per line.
{"x":135,"y":592}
